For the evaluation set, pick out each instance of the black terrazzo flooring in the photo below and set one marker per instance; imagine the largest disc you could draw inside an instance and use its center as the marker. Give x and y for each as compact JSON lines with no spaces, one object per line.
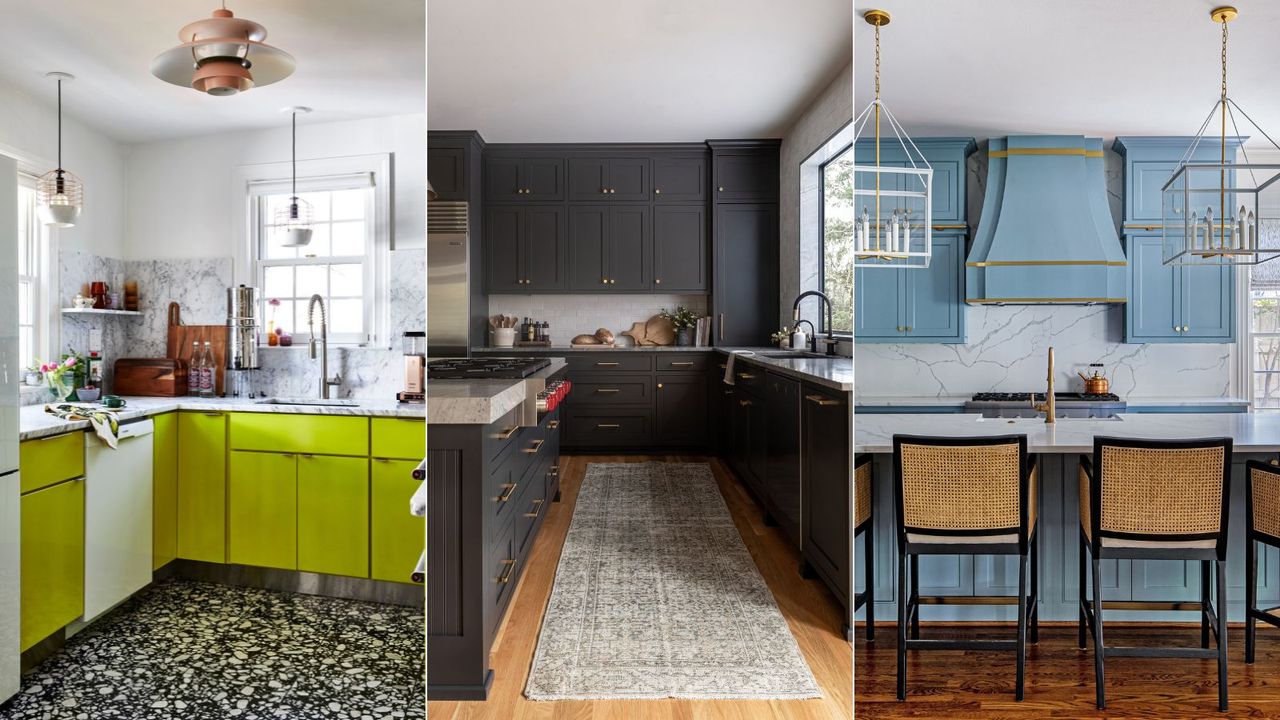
{"x":197,"y":651}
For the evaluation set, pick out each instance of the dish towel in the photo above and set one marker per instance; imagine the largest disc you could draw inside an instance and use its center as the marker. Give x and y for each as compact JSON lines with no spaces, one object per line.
{"x":106,"y":423}
{"x":728,"y":366}
{"x":418,"y":504}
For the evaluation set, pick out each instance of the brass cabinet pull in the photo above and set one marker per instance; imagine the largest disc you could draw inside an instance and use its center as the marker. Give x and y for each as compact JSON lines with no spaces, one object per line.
{"x":607,"y":391}
{"x":306,"y":455}
{"x":722,"y":320}
{"x":819,"y":399}
{"x":723,"y":366}
{"x":608,"y":426}
{"x":537,"y":508}
{"x":728,"y":392}
{"x":613,"y":190}
{"x":657,"y":281}
{"x":553,"y":424}
{"x":506,"y":494}
{"x":604,"y":191}
{"x":604,"y":281}
{"x":535,"y":446}
{"x":505,"y":577}
{"x":659,"y":386}
{"x":744,"y":403}
{"x":612,"y":281}
{"x":908,"y":328}
{"x":721,"y":188}
{"x":554,"y":470}
{"x":746,"y":376}
{"x":606,"y":364}
{"x":657,"y":191}
{"x":506,"y":434}
{"x":684,"y":364}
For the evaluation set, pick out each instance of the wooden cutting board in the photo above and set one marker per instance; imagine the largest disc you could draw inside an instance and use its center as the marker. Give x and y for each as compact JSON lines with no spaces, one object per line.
{"x":151,"y":377}
{"x":178,"y":343}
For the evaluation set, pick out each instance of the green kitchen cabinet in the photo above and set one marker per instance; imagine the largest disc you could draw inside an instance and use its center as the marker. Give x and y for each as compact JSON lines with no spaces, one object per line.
{"x":333,"y":515}
{"x":52,"y":557}
{"x":164,"y":490}
{"x":50,"y":460}
{"x":400,"y":438}
{"x":397,"y":537}
{"x":262,"y":521}
{"x":319,"y":434}
{"x":202,"y":486}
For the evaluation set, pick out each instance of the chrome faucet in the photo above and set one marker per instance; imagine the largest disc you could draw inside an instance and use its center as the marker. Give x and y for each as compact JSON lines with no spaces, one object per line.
{"x":1049,"y":407}
{"x":325,"y":380}
{"x":795,"y":316}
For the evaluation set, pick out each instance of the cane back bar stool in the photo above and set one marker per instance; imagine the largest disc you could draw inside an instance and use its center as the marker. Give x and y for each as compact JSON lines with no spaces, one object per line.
{"x":863,"y":501}
{"x":964,"y":496}
{"x":1262,"y":503}
{"x":1156,"y":500}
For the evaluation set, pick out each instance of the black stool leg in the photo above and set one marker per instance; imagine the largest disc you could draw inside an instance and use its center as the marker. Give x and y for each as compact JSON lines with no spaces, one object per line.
{"x":915,"y":597}
{"x":1084,"y":587}
{"x":1251,"y":599}
{"x":1222,"y":634}
{"x":1099,"y":678}
{"x":902,"y":624}
{"x":869,"y":582}
{"x":1035,"y":588}
{"x":1204,"y":603}
{"x":1022,"y":626}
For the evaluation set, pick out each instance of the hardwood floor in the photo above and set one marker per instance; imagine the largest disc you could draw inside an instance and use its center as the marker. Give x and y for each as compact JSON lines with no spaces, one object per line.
{"x":808,"y":606}
{"x":969,"y":684}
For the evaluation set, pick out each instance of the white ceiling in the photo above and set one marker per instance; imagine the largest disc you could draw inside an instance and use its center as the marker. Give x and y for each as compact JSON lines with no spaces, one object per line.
{"x":1093,"y":67}
{"x":649,"y":71}
{"x":355,"y":60}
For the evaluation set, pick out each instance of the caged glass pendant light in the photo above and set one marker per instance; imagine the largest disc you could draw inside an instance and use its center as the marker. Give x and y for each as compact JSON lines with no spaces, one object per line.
{"x":1211,"y":212}
{"x":892,"y":225}
{"x":59,"y":194}
{"x":293,"y":222}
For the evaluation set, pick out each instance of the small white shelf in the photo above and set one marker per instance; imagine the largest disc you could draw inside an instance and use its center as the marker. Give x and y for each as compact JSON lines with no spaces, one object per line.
{"x":92,"y":311}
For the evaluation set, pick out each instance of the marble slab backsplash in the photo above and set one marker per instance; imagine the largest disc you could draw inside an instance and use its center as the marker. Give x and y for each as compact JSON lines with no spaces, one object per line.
{"x":1007,"y":351}
{"x":571,"y":315}
{"x":199,"y":287}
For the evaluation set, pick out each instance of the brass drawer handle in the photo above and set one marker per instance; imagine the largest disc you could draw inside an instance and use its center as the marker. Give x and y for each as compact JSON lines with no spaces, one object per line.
{"x":728,"y":392}
{"x":608,"y":391}
{"x":534,"y":447}
{"x":553,"y":424}
{"x":606,"y":364}
{"x":687,"y":363}
{"x":608,"y":426}
{"x":821,"y":400}
{"x":659,"y":386}
{"x":744,"y":403}
{"x":723,"y":366}
{"x":506,"y":494}
{"x":537,"y":508}
{"x":554,"y":470}
{"x":746,"y":376}
{"x":506,"y":434}
{"x":507,"y":567}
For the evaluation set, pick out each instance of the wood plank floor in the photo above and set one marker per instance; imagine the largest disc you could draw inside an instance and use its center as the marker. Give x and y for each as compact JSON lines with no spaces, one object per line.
{"x":808,"y":606}
{"x":963,"y":684}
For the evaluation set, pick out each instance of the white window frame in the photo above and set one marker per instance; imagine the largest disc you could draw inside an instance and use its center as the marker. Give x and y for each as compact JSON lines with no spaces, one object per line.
{"x":46,"y":312}
{"x":812,"y":231}
{"x":1244,"y":370}
{"x":252,"y":182}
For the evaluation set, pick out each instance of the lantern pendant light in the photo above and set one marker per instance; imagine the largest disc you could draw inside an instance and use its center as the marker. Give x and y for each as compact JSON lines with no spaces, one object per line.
{"x":293,"y":222}
{"x":1201,"y":190}
{"x":59,"y":194}
{"x":223,"y":55}
{"x":893,"y":224}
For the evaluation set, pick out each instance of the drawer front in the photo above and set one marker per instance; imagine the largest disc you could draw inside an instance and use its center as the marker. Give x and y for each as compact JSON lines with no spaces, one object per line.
{"x":502,"y":491}
{"x":501,"y":574}
{"x":675,"y":362}
{"x":532,"y":506}
{"x":316,"y":434}
{"x":399,"y":438}
{"x":501,"y":436}
{"x":50,"y":460}
{"x":52,"y":560}
{"x":604,"y":361}
{"x":749,"y":378}
{"x":608,"y":427}
{"x":614,"y":390}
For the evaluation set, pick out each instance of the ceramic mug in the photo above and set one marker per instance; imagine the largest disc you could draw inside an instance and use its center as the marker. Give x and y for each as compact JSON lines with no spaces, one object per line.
{"x":504,"y":337}
{"x":113,"y":401}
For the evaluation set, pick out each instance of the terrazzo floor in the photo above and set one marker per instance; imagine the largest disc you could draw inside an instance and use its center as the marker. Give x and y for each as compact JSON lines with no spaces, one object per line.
{"x":197,"y":651}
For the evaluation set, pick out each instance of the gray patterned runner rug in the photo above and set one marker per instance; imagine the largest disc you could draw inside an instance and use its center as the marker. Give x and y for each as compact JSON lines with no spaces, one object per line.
{"x":656,"y":596}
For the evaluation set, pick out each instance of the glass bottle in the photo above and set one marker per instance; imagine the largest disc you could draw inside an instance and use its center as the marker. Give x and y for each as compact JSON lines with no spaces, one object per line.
{"x":208,"y":374}
{"x":193,"y":371}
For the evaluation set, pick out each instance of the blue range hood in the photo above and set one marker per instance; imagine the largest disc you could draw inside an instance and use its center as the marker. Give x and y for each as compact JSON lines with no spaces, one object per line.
{"x":1045,"y":235}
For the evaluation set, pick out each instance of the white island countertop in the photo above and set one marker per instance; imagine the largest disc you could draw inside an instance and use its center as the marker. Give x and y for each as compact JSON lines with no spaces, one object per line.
{"x":958,"y":401}
{"x":1250,"y":432}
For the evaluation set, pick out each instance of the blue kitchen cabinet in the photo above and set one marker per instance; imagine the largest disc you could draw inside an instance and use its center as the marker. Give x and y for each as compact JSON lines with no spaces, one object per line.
{"x":946,"y":155}
{"x":914,"y":305}
{"x":1176,"y":303}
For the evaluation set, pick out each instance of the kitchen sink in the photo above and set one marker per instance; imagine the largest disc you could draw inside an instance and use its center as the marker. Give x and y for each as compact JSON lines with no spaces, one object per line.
{"x":333,"y":402}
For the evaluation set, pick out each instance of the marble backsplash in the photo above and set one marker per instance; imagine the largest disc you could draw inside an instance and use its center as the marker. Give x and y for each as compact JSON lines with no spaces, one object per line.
{"x":1007,"y":352}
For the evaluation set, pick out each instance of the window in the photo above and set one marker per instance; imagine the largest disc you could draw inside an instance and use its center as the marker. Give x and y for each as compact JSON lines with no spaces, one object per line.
{"x":32,"y":328}
{"x":836,"y":266}
{"x":1264,"y":334}
{"x":337,"y":264}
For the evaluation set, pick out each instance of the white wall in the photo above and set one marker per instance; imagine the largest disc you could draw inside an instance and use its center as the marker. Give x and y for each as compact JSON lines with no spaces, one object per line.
{"x":181,"y":203}
{"x":29,"y":131}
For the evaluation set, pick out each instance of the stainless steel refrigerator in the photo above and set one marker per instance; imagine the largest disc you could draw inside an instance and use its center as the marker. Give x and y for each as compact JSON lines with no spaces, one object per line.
{"x":450,"y":286}
{"x":10,"y":576}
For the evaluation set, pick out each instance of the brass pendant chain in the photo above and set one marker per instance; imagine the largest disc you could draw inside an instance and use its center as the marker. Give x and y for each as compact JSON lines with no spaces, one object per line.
{"x":876,"y":219}
{"x":1222,"y":165}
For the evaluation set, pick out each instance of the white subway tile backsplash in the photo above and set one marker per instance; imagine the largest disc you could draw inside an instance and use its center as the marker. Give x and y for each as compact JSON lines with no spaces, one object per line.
{"x":571,"y":315}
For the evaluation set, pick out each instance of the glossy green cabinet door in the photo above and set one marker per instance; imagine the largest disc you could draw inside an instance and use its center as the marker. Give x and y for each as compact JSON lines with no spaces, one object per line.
{"x":333,"y":515}
{"x":164,"y":490}
{"x":52,"y":557}
{"x":263,"y":518}
{"x":398,"y":538}
{"x":202,"y":486}
{"x":402,"y":438}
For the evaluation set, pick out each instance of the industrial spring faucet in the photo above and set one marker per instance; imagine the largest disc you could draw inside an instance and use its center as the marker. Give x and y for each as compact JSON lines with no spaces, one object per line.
{"x":1049,"y":407}
{"x":325,"y":380}
{"x":795,"y":315}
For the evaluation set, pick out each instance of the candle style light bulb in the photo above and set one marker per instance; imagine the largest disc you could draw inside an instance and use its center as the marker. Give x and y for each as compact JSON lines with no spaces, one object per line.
{"x":866,"y":229}
{"x":906,"y":232}
{"x":1195,"y":230}
{"x":1253,"y":232}
{"x":1208,"y":222}
{"x":893,"y":231}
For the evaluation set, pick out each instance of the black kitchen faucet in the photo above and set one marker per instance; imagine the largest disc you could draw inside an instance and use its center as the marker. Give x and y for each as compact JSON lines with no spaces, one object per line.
{"x":831,"y":334}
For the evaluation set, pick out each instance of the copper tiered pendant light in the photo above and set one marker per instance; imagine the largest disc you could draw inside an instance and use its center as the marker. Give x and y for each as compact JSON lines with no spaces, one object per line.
{"x":893,"y":221}
{"x":1211,"y":212}
{"x":223,"y":55}
{"x":293,"y":222}
{"x":59,"y":194}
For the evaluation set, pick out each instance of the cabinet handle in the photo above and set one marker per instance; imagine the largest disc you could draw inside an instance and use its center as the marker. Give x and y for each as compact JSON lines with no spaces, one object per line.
{"x":821,"y":400}
{"x":746,"y":376}
{"x":553,"y":424}
{"x":608,"y":426}
{"x":534,"y":447}
{"x":537,"y":508}
{"x":612,"y":190}
{"x":604,"y":281}
{"x":657,"y":191}
{"x":554,"y":470}
{"x":213,"y":414}
{"x":684,"y":364}
{"x":721,"y":188}
{"x":519,"y":191}
{"x":527,"y":191}
{"x":604,"y":191}
{"x":381,"y":460}
{"x":606,"y":364}
{"x":728,"y":392}
{"x":722,"y":366}
{"x":659,"y":386}
{"x":744,"y":403}
{"x":612,"y":281}
{"x":657,"y":281}
{"x":506,"y":493}
{"x":721,"y":326}
{"x":607,"y":391}
{"x":307,"y":455}
{"x":506,"y":434}
{"x":505,"y":576}
{"x":908,"y":328}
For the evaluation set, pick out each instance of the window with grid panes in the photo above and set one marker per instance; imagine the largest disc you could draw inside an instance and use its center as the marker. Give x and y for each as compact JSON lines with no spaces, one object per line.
{"x":836,"y":266}
{"x":336,"y":264}
{"x":1264,"y":334}
{"x":31,"y":238}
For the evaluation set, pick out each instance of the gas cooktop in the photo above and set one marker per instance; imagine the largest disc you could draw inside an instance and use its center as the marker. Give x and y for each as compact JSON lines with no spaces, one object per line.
{"x":485,"y":368}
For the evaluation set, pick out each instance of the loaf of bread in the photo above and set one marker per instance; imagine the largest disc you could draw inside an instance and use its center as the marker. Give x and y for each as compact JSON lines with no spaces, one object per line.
{"x":604,"y":335}
{"x":585,"y":340}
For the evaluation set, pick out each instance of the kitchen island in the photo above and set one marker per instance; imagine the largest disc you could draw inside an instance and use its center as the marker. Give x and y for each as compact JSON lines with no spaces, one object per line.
{"x":1058,"y":448}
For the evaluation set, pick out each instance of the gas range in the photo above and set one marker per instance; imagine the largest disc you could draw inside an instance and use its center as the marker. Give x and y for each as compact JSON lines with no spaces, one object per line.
{"x":485,"y":368}
{"x":1069,"y":404}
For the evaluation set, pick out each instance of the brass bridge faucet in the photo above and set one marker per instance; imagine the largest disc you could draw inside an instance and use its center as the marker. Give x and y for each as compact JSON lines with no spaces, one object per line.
{"x":1049,"y":406}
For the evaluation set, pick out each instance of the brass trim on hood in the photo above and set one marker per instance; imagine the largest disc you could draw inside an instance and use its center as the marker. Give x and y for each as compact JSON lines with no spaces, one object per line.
{"x":1040,"y":301}
{"x":1019,"y":263}
{"x":1044,"y":151}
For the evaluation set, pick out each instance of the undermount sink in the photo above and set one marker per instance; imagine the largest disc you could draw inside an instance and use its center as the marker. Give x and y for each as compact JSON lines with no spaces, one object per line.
{"x":319,"y":402}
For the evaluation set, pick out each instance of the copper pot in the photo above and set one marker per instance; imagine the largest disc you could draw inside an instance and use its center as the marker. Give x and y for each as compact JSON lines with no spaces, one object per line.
{"x":1096,"y":384}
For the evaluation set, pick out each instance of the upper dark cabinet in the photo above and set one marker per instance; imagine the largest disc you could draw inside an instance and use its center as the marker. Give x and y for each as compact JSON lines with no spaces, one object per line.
{"x":447,"y":172}
{"x":679,"y":179}
{"x":516,"y":179}
{"x":608,"y":179}
{"x":680,"y":248}
{"x":745,"y":285}
{"x":748,"y":176}
{"x":609,"y":248}
{"x":525,"y":249}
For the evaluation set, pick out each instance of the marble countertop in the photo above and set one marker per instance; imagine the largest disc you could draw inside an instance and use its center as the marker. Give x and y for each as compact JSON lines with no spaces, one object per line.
{"x":567,"y":348}
{"x":1132,"y":400}
{"x":835,"y":373}
{"x":34,"y":422}
{"x":1250,"y":432}
{"x":472,"y":402}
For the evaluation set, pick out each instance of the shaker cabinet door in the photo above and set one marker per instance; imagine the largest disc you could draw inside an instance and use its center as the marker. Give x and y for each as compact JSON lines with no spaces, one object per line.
{"x":679,"y":179}
{"x":1154,"y":309}
{"x":504,"y":265}
{"x":588,"y":248}
{"x":629,"y":248}
{"x":935,"y":308}
{"x":1208,"y":310}
{"x":629,"y":179}
{"x":588,"y":179}
{"x":680,"y":248}
{"x":544,"y":249}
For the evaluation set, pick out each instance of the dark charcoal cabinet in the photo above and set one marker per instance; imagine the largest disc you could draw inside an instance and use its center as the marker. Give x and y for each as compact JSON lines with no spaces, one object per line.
{"x":749,"y":428}
{"x":745,"y":287}
{"x":513,"y":179}
{"x":783,"y":476}
{"x":680,"y":409}
{"x":826,"y":473}
{"x":679,"y":179}
{"x":680,"y":248}
{"x":609,"y":179}
{"x":746,"y":176}
{"x":609,"y":248}
{"x":447,"y":172}
{"x":525,"y":249}
{"x":723,"y":402}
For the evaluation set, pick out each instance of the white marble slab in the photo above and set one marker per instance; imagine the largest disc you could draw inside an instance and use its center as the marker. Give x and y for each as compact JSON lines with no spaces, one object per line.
{"x":472,"y":402}
{"x":1131,"y":400}
{"x":1250,"y":432}
{"x":911,"y":401}
{"x":835,"y":372}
